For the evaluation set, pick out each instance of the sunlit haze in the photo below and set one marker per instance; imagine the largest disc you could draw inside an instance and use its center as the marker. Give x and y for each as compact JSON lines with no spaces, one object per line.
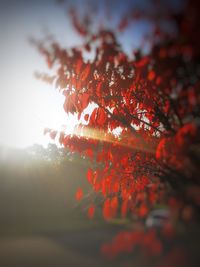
{"x":28,"y":105}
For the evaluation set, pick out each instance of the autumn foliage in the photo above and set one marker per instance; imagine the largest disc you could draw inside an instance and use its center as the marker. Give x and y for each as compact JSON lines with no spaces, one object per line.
{"x":138,"y":118}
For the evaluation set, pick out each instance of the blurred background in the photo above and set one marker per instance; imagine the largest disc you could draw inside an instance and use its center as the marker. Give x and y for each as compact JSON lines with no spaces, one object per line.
{"x":41,"y":223}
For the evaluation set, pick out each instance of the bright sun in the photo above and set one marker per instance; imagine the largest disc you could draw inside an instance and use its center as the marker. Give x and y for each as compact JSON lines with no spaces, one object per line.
{"x":28,"y":110}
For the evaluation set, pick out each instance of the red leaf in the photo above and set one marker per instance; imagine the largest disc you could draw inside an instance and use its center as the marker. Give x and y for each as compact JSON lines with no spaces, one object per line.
{"x":114,"y":206}
{"x":85,"y":99}
{"x":61,"y":138}
{"x":86,"y":117}
{"x":79,"y":194}
{"x":156,"y":247}
{"x":93,"y":117}
{"x":142,"y":62}
{"x":78,"y":67}
{"x":151,"y":75}
{"x":77,"y":24}
{"x":186,"y":134}
{"x":123,"y":24}
{"x":90,"y":175}
{"x":143,"y":211}
{"x":107,"y":213}
{"x":101,"y":117}
{"x":124,"y":208}
{"x":91,"y":211}
{"x":89,"y":153}
{"x":70,"y":103}
{"x":47,"y":130}
{"x":98,"y":89}
{"x":53,"y":134}
{"x":85,"y":73}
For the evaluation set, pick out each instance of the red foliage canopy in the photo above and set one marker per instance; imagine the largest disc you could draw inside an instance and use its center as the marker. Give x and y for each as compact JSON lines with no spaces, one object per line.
{"x":144,"y":126}
{"x":144,"y":117}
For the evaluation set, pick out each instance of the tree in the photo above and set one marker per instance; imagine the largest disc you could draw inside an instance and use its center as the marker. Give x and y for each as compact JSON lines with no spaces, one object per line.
{"x":138,"y":115}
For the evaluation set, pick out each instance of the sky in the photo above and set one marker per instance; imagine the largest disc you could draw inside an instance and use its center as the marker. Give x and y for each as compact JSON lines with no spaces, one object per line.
{"x":28,"y":105}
